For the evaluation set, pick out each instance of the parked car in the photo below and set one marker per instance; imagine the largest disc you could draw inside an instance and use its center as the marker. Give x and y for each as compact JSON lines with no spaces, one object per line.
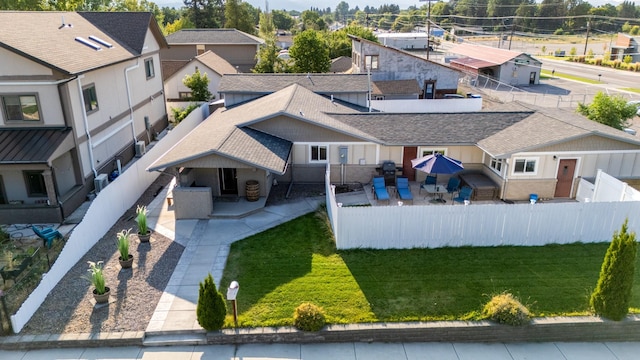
{"x":637,"y":104}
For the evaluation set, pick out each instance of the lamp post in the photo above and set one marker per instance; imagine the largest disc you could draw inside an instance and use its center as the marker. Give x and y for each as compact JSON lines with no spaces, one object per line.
{"x":428,"y":26}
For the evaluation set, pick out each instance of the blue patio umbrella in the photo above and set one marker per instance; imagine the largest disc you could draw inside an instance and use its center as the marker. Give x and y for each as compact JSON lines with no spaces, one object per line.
{"x":437,"y":164}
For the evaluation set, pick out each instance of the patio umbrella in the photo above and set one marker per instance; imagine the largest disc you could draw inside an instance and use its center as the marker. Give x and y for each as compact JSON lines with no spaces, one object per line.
{"x":437,"y":164}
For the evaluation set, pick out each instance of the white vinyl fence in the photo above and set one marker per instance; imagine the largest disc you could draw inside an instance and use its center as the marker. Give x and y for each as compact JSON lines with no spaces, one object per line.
{"x":405,"y":227}
{"x":103,"y":212}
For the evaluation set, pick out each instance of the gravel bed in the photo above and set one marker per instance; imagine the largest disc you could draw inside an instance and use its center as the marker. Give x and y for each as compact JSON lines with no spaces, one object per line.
{"x":134,"y":292}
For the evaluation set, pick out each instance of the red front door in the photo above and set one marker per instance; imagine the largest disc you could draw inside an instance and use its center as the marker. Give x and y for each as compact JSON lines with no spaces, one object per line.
{"x":410,"y":153}
{"x":566,"y":170}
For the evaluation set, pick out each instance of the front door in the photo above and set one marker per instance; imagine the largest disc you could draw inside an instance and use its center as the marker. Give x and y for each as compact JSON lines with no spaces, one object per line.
{"x":410,"y":152}
{"x":228,"y":181}
{"x":566,"y":170}
{"x":532,"y":78}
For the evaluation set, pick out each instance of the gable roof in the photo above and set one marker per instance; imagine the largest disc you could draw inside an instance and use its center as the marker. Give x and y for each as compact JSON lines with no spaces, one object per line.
{"x":547,"y":127}
{"x":49,"y":38}
{"x":318,"y":83}
{"x":212,"y":37}
{"x":216,"y":63}
{"x":228,"y":132}
{"x":488,"y":54}
{"x":341,"y":64}
{"x":395,"y":87}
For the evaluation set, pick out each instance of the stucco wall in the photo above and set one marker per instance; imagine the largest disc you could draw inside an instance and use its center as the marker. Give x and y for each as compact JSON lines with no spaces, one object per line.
{"x":192,"y":202}
{"x":173,"y":85}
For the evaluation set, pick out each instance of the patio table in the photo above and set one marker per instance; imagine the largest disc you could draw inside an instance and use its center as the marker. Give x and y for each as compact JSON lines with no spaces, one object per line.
{"x":437,"y":190}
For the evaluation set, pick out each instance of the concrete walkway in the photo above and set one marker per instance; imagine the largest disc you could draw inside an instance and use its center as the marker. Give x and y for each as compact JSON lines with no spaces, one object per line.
{"x":206,"y":245}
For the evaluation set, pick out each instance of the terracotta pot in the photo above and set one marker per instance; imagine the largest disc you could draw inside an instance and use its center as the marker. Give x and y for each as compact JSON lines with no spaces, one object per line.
{"x":144,"y":237}
{"x":125,"y":264}
{"x":102,"y":298}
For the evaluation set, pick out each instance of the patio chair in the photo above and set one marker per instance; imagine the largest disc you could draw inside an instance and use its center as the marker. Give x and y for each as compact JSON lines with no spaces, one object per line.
{"x":430,"y":180}
{"x":453,"y":186}
{"x":47,"y":235}
{"x":379,"y":189}
{"x":463,"y":194}
{"x":402,"y":187}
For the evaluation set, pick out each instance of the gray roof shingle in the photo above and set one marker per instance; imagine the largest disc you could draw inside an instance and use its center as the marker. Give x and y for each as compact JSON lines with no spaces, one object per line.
{"x":318,"y":83}
{"x":212,"y":37}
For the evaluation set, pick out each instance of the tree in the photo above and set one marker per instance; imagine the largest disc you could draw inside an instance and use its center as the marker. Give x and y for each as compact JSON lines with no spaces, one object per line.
{"x":199,"y":85}
{"x":312,"y":20}
{"x":342,"y":10}
{"x":205,"y":14}
{"x":238,"y":16}
{"x":611,"y":110}
{"x":612,"y":295}
{"x":282,"y":20}
{"x":310,"y":53}
{"x":211,"y":309}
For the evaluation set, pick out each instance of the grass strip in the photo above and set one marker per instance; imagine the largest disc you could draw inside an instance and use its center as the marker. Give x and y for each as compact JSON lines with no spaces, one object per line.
{"x":570,"y":77}
{"x":297,"y":262}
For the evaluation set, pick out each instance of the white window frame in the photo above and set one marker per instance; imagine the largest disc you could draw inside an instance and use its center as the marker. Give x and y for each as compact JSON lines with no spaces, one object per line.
{"x":535,"y":161}
{"x":431,"y":151}
{"x":370,"y":64}
{"x":497,"y":165}
{"x":319,"y":146}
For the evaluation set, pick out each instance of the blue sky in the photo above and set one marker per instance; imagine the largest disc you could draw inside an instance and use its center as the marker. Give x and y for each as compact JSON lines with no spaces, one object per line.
{"x":305,"y":4}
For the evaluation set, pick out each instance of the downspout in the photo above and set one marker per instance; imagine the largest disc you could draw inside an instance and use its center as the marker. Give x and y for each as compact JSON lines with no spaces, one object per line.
{"x":86,"y":125}
{"x":126,"y":80}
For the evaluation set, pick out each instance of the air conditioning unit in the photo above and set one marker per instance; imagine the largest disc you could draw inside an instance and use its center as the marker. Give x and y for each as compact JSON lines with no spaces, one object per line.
{"x":100,"y":182}
{"x":140,"y":148}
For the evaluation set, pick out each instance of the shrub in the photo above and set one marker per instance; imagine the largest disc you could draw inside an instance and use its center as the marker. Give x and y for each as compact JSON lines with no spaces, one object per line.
{"x":96,"y":277}
{"x":211,"y":309}
{"x":506,"y":309}
{"x":308,"y":317}
{"x":123,"y":244}
{"x":612,"y":295}
{"x":141,"y":219}
{"x":180,"y":114}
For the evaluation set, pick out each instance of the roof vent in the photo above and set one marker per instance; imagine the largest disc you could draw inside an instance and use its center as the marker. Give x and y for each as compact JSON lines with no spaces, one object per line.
{"x":102,"y":42}
{"x":90,"y":44}
{"x":63,"y":25}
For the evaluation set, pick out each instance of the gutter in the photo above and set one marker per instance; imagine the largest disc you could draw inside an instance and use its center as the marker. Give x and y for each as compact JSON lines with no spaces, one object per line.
{"x":126,"y":80}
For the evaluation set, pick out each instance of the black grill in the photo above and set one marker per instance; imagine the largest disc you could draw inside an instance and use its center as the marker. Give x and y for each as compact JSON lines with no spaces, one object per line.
{"x":389,"y":172}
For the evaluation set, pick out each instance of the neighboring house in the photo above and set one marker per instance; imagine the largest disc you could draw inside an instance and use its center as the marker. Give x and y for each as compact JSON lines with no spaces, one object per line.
{"x":388,"y":63}
{"x":341,"y":64}
{"x":405,"y":41}
{"x":292,"y":134}
{"x":506,"y":66}
{"x":78,"y":91}
{"x":239,"y":88}
{"x":208,"y":63}
{"x":395,"y":90}
{"x":236,"y":47}
{"x":626,"y":45}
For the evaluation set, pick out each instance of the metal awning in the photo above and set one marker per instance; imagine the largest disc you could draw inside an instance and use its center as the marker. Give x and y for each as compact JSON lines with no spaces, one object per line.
{"x":33,"y":145}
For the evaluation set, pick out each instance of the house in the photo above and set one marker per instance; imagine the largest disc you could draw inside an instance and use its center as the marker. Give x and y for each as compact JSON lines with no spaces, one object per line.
{"x":626,"y":45}
{"x":509,"y":67}
{"x":208,"y":63}
{"x":351,"y":88}
{"x":80,"y":93}
{"x":341,"y":64}
{"x":293,"y":134}
{"x":236,"y":47}
{"x":387,"y":63}
{"x":395,"y":90}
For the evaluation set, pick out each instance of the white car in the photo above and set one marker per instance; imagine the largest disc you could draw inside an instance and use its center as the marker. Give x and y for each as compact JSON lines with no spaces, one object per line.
{"x":637,"y":104}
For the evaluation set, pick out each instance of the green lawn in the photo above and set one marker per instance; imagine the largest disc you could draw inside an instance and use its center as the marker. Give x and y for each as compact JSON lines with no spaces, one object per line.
{"x":297,"y":262}
{"x":547,"y":73}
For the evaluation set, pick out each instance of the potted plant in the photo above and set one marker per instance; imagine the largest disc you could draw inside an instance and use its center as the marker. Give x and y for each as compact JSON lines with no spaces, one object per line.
{"x":96,"y":278}
{"x":126,"y":259}
{"x":141,"y":219}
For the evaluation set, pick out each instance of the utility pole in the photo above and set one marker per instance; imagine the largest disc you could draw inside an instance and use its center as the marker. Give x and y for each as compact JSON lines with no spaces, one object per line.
{"x":428,"y":26}
{"x":586,"y":41}
{"x":513,"y":28}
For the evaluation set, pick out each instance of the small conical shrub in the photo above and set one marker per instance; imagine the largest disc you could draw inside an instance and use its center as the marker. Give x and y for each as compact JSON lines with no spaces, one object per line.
{"x":612,"y":295}
{"x":212,"y":308}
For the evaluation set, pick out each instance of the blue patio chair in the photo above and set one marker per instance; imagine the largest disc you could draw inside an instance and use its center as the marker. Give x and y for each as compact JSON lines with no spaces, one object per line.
{"x":379,"y":189}
{"x":430,"y":180}
{"x":47,"y":235}
{"x":453,"y":185}
{"x":402,"y":186}
{"x":463,"y":194}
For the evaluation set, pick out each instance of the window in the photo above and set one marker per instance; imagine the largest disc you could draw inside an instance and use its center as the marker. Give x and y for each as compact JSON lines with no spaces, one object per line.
{"x":21,"y":107}
{"x":496,"y":165}
{"x":426,"y":152}
{"x":371,"y":62}
{"x":318,"y":153}
{"x":148,"y":68}
{"x":524,"y":166}
{"x":429,"y":89}
{"x":3,"y":196}
{"x":184,"y":94}
{"x":35,"y":183}
{"x":90,"y":98}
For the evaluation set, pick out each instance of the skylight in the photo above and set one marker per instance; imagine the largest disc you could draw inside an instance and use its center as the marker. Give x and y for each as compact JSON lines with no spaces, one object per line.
{"x":102,"y":42}
{"x":90,"y":44}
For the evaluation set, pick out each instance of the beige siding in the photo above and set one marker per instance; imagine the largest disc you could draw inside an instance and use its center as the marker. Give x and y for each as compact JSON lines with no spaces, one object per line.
{"x":590,"y":143}
{"x":48,"y":102}
{"x":178,"y":52}
{"x":299,"y":131}
{"x":235,"y":54}
{"x":393,"y":153}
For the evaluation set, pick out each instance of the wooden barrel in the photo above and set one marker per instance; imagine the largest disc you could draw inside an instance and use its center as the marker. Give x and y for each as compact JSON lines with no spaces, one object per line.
{"x":252,"y":190}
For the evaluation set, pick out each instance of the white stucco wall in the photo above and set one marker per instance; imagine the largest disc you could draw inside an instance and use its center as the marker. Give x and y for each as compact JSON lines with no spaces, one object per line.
{"x":173,"y":85}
